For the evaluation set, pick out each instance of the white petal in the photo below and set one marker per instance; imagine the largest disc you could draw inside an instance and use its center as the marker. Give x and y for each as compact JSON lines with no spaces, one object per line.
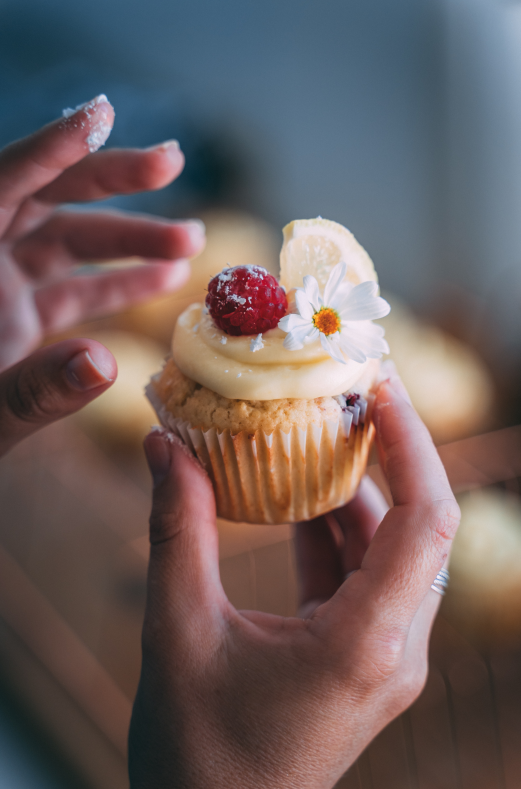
{"x":296,"y":338}
{"x":314,"y":334}
{"x":336,"y":276}
{"x":332,"y":348}
{"x":370,"y":338}
{"x":367,"y":288}
{"x":363,"y":328}
{"x":366,"y":337}
{"x":363,"y":305}
{"x":339,"y":297}
{"x":293,"y":321}
{"x":312,"y":292}
{"x":292,"y":344}
{"x":304,"y":305}
{"x":352,"y":350}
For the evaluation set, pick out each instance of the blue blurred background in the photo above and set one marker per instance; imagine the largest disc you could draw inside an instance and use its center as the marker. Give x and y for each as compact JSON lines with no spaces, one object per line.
{"x":288,"y":108}
{"x":401,"y":120}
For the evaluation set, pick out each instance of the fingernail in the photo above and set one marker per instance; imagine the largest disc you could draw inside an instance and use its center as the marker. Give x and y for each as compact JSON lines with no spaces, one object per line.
{"x":89,"y":105}
{"x":170,"y":147}
{"x":397,"y":385}
{"x":157,"y":451}
{"x":196,"y":230}
{"x":85,"y":373}
{"x":86,"y":106}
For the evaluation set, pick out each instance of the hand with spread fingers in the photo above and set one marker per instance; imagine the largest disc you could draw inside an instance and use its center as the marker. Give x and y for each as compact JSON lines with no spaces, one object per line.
{"x":251,"y":700}
{"x":41,"y":247}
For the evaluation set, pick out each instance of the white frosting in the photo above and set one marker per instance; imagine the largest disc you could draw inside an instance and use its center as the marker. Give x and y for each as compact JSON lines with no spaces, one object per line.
{"x":271,"y":373}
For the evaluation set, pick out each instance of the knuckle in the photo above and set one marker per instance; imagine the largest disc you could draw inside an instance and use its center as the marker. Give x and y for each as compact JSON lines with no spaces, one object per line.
{"x":164,"y":524}
{"x":379,"y":659}
{"x":37,"y":256}
{"x":30,"y":398}
{"x":391,"y":646}
{"x":442,"y":518}
{"x":446,"y":515}
{"x":410,"y":684}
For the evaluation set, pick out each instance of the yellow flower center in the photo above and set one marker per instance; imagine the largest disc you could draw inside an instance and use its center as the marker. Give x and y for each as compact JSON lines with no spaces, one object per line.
{"x":327,"y":321}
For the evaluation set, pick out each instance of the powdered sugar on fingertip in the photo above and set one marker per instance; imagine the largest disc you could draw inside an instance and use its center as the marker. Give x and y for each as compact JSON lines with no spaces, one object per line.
{"x":101,"y":128}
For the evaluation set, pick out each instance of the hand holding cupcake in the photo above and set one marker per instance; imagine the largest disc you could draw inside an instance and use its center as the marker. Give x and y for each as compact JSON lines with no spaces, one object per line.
{"x":271,"y":385}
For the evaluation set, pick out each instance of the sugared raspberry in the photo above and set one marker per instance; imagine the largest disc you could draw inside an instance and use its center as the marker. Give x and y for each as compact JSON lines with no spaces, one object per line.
{"x":246,"y":300}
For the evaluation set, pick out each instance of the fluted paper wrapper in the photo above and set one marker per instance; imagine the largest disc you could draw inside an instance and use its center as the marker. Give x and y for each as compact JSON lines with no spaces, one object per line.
{"x":281,"y":477}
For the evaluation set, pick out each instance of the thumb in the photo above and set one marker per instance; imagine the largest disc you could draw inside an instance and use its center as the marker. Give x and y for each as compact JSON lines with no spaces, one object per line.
{"x":51,"y":383}
{"x":184,"y":597}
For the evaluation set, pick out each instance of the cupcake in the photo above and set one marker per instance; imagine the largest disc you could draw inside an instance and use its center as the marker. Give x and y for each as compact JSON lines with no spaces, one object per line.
{"x":120,"y":418}
{"x":449,"y":385}
{"x":271,"y":384}
{"x":484,"y":597}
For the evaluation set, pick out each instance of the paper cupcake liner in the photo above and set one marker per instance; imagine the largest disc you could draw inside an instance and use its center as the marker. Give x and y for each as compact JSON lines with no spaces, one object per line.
{"x":280,"y":477}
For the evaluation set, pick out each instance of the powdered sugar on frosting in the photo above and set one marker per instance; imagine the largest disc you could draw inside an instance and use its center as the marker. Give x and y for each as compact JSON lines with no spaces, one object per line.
{"x":256,"y":344}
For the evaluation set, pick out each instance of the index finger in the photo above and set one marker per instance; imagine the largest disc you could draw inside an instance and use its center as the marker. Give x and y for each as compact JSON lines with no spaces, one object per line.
{"x":413,"y":541}
{"x":29,"y":164}
{"x":116,"y":171}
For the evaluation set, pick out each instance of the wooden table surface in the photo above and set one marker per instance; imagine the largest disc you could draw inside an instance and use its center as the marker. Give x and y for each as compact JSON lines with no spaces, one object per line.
{"x":73,"y":553}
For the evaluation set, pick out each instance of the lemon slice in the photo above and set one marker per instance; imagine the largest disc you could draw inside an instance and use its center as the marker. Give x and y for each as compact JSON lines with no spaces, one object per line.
{"x":315,"y":246}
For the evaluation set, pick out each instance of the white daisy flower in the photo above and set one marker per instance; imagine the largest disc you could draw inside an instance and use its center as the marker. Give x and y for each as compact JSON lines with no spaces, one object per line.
{"x":341,"y":318}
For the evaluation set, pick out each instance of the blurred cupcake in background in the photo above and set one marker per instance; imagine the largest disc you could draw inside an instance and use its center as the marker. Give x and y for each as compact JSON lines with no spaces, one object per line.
{"x":484,"y":596}
{"x":232,"y":238}
{"x":121,"y":417}
{"x":449,"y":385}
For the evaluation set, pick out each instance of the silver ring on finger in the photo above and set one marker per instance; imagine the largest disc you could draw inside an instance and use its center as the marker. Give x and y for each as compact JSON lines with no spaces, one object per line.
{"x":441,"y":582}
